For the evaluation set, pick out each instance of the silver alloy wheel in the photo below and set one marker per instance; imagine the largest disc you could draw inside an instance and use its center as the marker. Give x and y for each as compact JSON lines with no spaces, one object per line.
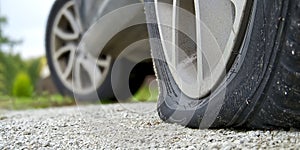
{"x":212,"y":26}
{"x":79,"y":71}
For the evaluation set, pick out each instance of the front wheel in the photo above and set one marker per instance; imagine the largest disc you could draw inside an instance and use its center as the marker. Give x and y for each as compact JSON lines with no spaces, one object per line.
{"x":76,"y":72}
{"x":228,"y":63}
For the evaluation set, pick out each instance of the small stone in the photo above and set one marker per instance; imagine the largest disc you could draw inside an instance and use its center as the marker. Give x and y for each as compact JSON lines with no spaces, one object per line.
{"x":26,"y":133}
{"x":214,"y":146}
{"x":3,"y":117}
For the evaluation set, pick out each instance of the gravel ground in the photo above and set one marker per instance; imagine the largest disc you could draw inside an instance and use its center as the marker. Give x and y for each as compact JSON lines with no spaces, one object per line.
{"x":123,"y":126}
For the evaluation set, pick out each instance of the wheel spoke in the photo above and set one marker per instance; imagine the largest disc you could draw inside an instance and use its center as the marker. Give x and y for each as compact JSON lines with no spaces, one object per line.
{"x":213,"y":26}
{"x":70,"y":63}
{"x":239,"y":6}
{"x":104,"y":62}
{"x":73,"y":20}
{"x":64,"y":49}
{"x":74,"y":23}
{"x":94,"y":73}
{"x":78,"y":20}
{"x":65,"y":35}
{"x":199,"y":44}
{"x":77,"y":75}
{"x":174,"y":36}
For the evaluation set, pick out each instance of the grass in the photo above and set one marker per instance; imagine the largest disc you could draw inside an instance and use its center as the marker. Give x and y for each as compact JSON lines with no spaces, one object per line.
{"x":14,"y":103}
{"x":147,"y":93}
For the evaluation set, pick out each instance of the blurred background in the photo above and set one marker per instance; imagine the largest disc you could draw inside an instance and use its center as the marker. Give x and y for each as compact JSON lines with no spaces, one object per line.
{"x":25,"y":22}
{"x":23,"y":66}
{"x":25,"y":80}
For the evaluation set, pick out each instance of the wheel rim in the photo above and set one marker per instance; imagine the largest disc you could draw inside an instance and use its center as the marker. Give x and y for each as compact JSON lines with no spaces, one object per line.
{"x":78,"y":70}
{"x":211,"y":28}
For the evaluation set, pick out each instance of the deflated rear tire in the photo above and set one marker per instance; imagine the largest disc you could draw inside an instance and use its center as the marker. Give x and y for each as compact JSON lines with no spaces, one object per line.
{"x":261,"y":87}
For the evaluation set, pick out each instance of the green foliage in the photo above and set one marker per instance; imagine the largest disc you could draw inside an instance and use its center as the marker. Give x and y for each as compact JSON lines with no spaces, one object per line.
{"x":3,"y":39}
{"x":3,"y":20}
{"x":43,"y":101}
{"x":1,"y":77}
{"x":18,"y":77}
{"x":146,"y":93}
{"x":11,"y":65}
{"x":34,"y":68}
{"x":22,"y":86}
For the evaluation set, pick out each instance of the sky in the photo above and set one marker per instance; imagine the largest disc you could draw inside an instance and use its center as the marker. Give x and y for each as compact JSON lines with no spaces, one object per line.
{"x":27,"y":22}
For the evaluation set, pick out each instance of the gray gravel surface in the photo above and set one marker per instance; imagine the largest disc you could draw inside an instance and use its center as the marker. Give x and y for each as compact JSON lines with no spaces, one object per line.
{"x":121,"y":126}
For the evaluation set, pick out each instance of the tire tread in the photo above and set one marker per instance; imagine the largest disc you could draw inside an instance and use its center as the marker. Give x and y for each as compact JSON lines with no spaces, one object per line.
{"x":281,"y":107}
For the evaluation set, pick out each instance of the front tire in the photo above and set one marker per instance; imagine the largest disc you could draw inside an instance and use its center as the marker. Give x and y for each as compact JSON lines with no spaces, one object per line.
{"x":77,"y":73}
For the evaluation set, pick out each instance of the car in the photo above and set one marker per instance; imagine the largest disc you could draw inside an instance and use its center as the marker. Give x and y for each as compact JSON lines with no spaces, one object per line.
{"x":231,"y":63}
